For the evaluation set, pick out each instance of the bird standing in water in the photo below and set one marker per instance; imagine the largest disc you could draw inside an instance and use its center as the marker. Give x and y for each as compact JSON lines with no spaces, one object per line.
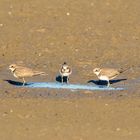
{"x":21,"y":72}
{"x":65,"y":71}
{"x":107,"y":74}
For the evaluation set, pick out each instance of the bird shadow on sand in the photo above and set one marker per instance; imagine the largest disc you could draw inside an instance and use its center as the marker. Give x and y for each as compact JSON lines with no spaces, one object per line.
{"x":16,"y":83}
{"x":59,"y":79}
{"x":101,"y":82}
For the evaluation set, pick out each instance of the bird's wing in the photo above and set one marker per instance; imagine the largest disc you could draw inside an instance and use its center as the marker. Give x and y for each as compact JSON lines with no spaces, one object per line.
{"x":38,"y":73}
{"x":70,"y":70}
{"x":61,"y":70}
{"x":24,"y":72}
{"x":111,"y":73}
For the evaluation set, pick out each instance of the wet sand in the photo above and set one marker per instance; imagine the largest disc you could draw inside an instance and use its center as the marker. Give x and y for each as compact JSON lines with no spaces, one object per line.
{"x":75,"y":119}
{"x":42,"y":34}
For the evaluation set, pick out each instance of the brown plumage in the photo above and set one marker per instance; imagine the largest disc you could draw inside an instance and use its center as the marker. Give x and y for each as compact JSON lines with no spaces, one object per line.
{"x":107,"y":73}
{"x":21,"y":72}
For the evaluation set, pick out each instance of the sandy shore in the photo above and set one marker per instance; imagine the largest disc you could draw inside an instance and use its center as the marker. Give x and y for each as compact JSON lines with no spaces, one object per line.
{"x":42,"y":34}
{"x":69,"y":119}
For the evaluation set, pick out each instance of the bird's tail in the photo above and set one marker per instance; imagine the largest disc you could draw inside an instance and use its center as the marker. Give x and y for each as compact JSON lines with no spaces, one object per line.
{"x":121,"y":70}
{"x":39,"y":73}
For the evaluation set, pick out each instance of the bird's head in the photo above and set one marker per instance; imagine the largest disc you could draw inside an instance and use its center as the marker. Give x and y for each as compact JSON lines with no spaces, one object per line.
{"x":65,"y":66}
{"x":12,"y":67}
{"x":97,"y":71}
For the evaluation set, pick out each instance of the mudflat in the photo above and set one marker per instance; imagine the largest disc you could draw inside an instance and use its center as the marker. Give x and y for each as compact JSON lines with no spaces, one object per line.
{"x":42,"y":34}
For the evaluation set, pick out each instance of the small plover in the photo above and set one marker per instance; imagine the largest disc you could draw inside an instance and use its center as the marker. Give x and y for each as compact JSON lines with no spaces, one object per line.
{"x":65,"y":71}
{"x":107,"y":74}
{"x":21,"y":72}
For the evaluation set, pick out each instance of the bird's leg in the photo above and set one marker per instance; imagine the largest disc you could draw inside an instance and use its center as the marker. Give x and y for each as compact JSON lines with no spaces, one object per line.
{"x":62,"y":79}
{"x":23,"y":82}
{"x":67,"y":79}
{"x":108,"y":83}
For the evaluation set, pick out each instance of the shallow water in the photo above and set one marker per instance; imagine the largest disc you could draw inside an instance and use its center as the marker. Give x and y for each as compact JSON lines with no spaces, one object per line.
{"x":69,"y":86}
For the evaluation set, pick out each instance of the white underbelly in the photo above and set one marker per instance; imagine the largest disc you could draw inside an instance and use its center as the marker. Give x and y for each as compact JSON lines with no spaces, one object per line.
{"x":103,"y":78}
{"x":15,"y":75}
{"x":65,"y":74}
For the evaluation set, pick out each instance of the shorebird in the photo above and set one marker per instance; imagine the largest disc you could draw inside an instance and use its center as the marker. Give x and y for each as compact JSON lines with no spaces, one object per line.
{"x":107,"y":74}
{"x":21,"y":72}
{"x":65,"y":71}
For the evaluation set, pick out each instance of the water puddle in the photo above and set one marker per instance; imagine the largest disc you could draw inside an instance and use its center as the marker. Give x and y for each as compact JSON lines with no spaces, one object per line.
{"x":53,"y":85}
